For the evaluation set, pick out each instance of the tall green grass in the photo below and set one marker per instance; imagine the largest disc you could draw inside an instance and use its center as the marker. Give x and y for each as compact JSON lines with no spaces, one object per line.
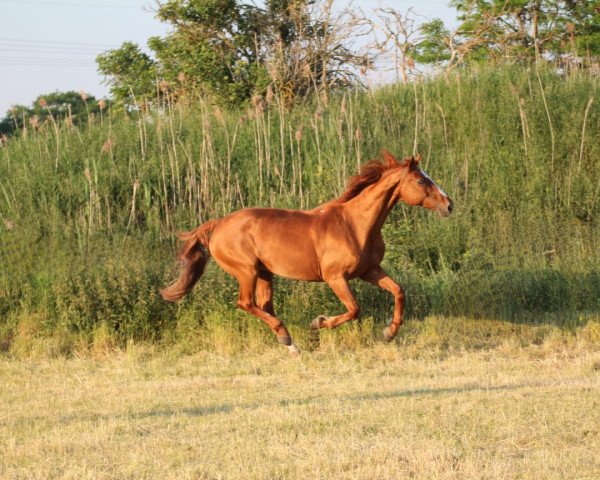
{"x":88,"y":216}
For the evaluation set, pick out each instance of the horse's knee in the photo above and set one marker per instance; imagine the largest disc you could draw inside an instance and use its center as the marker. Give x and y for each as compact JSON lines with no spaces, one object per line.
{"x":354,"y":311}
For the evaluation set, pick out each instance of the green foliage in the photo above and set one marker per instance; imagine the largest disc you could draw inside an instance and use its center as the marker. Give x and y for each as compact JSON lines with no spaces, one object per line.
{"x":498,"y":30}
{"x":73,"y":107}
{"x":131,"y":74}
{"x":119,"y":295}
{"x":215,"y":46}
{"x":232,"y":50}
{"x":87,"y":216}
{"x":582,"y":25}
{"x":432,"y":48}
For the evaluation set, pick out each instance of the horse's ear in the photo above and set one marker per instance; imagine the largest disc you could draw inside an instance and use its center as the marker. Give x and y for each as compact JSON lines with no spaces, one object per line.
{"x":408,"y":162}
{"x":413,"y":162}
{"x":388,"y":159}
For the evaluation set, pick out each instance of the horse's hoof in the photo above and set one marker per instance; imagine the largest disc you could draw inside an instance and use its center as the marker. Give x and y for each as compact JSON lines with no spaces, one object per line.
{"x":387,"y":334}
{"x":294,"y":351}
{"x":318,"y":322}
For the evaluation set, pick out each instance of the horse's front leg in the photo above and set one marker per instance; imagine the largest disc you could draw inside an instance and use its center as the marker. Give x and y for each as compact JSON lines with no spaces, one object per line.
{"x":378,"y":276}
{"x":340,"y":287}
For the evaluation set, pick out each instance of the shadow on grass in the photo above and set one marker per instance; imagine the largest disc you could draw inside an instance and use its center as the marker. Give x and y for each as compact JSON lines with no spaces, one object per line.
{"x":360,"y":397}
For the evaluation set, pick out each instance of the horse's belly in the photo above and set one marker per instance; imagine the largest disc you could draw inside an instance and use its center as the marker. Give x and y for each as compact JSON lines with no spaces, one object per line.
{"x":296,"y":274}
{"x":292,"y":263}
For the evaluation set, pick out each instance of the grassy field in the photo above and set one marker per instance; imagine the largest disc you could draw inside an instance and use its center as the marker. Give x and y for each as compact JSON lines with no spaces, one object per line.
{"x":495,"y":373}
{"x":383,"y":411}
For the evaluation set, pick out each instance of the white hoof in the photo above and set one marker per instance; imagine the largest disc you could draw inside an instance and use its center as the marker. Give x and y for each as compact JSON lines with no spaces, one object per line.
{"x":294,"y":351}
{"x":318,"y":322}
{"x":387,"y":334}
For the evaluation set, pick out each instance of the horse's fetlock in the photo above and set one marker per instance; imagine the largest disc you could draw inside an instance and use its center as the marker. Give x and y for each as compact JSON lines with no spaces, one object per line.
{"x":285,"y":340}
{"x":245,"y":305}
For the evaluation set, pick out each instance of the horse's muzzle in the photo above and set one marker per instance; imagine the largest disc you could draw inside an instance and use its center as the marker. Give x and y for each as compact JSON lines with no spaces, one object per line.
{"x":446,"y":210}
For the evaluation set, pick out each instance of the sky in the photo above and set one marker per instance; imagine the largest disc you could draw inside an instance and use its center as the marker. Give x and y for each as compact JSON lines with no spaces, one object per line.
{"x":51,"y":45}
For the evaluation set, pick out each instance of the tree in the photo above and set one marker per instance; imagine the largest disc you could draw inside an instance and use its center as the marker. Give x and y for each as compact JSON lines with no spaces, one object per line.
{"x":526,"y":29}
{"x":232,"y":50}
{"x":131,"y":74}
{"x":400,"y":34}
{"x":433,"y":47}
{"x":73,"y":107}
{"x":215,"y":47}
{"x":312,"y":47}
{"x":580,"y":25}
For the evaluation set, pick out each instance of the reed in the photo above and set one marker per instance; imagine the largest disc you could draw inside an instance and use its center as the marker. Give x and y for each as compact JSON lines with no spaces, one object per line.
{"x":88,"y":216}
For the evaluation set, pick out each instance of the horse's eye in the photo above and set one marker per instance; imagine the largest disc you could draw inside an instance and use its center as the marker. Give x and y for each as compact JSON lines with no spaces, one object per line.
{"x":421,"y":181}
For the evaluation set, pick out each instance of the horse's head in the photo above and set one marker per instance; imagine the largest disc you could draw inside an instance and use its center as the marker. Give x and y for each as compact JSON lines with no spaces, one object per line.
{"x":415,"y":187}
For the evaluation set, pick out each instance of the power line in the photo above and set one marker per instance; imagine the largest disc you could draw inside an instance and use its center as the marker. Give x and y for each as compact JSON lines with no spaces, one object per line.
{"x":45,"y":65}
{"x":38,"y":65}
{"x":54,"y":42}
{"x":72,"y":4}
{"x":52,"y":51}
{"x":59,"y":52}
{"x":45,"y":60}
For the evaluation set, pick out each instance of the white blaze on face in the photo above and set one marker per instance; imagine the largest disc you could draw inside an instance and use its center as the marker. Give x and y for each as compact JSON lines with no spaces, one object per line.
{"x":435,"y":184}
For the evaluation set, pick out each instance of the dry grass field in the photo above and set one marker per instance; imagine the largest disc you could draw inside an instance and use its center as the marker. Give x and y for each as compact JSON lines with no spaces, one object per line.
{"x":381,"y":411}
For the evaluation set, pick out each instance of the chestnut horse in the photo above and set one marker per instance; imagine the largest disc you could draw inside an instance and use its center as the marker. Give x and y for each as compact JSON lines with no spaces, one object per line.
{"x":333,"y":243}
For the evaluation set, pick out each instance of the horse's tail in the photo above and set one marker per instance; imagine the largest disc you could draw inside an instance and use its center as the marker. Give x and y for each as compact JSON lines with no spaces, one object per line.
{"x":193,"y":257}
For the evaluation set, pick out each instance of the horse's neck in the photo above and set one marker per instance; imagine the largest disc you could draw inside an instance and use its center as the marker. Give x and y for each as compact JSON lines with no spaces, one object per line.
{"x":369,"y":209}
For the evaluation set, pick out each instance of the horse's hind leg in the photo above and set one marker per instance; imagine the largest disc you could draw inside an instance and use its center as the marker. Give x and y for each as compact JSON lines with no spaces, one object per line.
{"x":264,"y":292}
{"x":251,"y":282}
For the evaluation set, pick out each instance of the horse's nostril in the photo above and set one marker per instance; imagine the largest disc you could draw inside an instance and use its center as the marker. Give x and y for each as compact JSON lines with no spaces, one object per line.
{"x":450,"y":207}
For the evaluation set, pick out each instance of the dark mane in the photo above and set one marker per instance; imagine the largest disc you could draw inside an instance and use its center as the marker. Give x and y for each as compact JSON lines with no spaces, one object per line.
{"x":369,"y":174}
